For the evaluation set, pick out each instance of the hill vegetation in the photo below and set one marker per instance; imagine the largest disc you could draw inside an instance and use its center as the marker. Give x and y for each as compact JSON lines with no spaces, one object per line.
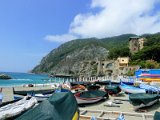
{"x":78,"y":56}
{"x":72,"y":57}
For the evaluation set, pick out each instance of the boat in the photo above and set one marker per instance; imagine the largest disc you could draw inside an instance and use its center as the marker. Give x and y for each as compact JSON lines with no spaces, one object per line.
{"x":149,"y":77}
{"x":112,"y":89}
{"x":141,"y":100}
{"x":16,"y":108}
{"x":87,"y":97}
{"x":32,"y":92}
{"x":130,"y":80}
{"x":131,"y":89}
{"x":78,"y":87}
{"x":150,"y":88}
{"x":60,"y":106}
{"x":79,"y":83}
{"x":107,"y":82}
{"x":61,"y":90}
{"x":93,"y":87}
{"x":86,"y":114}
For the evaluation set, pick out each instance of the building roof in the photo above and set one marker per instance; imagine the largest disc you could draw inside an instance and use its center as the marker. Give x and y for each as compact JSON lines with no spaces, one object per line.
{"x":134,"y":37}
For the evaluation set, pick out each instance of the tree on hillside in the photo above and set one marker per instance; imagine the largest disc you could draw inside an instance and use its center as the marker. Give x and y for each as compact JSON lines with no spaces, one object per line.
{"x":148,"y":53}
{"x":119,"y":52}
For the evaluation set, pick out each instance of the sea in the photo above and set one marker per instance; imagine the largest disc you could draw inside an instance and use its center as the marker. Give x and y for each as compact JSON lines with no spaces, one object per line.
{"x":20,"y":79}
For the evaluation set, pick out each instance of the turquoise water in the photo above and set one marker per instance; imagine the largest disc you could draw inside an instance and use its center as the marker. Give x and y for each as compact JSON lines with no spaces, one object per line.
{"x":25,"y":78}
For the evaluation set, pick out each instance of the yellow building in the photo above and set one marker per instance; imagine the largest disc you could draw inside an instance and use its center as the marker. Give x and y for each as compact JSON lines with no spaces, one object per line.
{"x":123,"y":61}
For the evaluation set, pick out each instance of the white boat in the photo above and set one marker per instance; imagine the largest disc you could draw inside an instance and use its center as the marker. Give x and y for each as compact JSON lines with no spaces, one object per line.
{"x":41,"y":97}
{"x":131,"y":89}
{"x":16,"y":108}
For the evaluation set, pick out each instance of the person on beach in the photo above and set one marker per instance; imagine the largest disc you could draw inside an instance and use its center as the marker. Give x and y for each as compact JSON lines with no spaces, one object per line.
{"x":1,"y":96}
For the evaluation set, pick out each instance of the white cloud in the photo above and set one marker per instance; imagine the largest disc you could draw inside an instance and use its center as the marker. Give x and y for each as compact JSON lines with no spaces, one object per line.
{"x":114,"y":17}
{"x":60,"y":38}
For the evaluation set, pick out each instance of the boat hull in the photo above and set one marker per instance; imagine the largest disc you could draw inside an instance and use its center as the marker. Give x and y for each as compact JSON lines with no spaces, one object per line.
{"x":131,"y":89}
{"x":88,"y":101}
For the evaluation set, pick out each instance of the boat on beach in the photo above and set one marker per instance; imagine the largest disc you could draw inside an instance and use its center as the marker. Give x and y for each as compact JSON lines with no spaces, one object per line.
{"x":87,"y":97}
{"x":32,"y":92}
{"x":60,"y":106}
{"x":107,"y":82}
{"x":40,"y":95}
{"x":142,"y":100}
{"x":150,"y":88}
{"x":112,"y":89}
{"x":93,"y":87}
{"x":131,"y":89}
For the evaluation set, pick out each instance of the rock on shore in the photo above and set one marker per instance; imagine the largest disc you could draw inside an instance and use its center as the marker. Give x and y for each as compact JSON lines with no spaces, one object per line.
{"x":6,"y":77}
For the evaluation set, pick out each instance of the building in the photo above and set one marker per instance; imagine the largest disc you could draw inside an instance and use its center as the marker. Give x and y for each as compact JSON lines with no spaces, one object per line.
{"x":122,"y":62}
{"x":135,"y":44}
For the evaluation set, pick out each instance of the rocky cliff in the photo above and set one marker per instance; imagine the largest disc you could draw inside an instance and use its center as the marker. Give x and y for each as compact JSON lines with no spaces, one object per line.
{"x":80,"y":57}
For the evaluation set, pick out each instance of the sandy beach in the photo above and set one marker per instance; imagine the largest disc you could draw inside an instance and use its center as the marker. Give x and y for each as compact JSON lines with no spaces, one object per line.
{"x":125,"y":107}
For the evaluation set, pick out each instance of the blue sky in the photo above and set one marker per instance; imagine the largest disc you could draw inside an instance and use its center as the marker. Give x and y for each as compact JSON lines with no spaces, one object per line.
{"x":24,"y":24}
{"x":29,"y":29}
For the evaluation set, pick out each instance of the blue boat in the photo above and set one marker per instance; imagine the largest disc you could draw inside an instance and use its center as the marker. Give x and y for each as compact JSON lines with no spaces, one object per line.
{"x":131,"y":89}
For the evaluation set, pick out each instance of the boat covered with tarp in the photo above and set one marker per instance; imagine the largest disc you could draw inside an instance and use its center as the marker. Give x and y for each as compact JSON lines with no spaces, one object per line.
{"x":93,"y":96}
{"x":141,"y":100}
{"x":131,"y":89}
{"x":112,"y":89}
{"x":60,"y":106}
{"x":93,"y":87}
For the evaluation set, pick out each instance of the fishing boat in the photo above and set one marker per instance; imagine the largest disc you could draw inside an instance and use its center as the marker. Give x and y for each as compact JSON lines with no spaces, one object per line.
{"x":32,"y":92}
{"x":60,"y":106}
{"x":80,"y":83}
{"x":127,"y":83}
{"x":131,"y":89}
{"x":149,"y":77}
{"x":16,"y":108}
{"x":107,"y":82}
{"x":112,"y":89}
{"x":93,"y":96}
{"x":93,"y":87}
{"x":141,"y":100}
{"x":78,"y":87}
{"x":150,"y":88}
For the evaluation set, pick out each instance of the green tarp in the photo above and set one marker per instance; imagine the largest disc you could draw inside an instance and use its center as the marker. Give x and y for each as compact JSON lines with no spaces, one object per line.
{"x":93,"y":94}
{"x":114,"y":89}
{"x":60,"y":106}
{"x":142,"y":98}
{"x":157,"y":116}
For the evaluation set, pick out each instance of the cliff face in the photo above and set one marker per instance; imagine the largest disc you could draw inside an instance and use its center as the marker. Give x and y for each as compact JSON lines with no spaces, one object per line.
{"x":79,"y":57}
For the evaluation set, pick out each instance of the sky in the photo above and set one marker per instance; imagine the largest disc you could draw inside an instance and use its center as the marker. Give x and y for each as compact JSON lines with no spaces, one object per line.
{"x":30,"y":29}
